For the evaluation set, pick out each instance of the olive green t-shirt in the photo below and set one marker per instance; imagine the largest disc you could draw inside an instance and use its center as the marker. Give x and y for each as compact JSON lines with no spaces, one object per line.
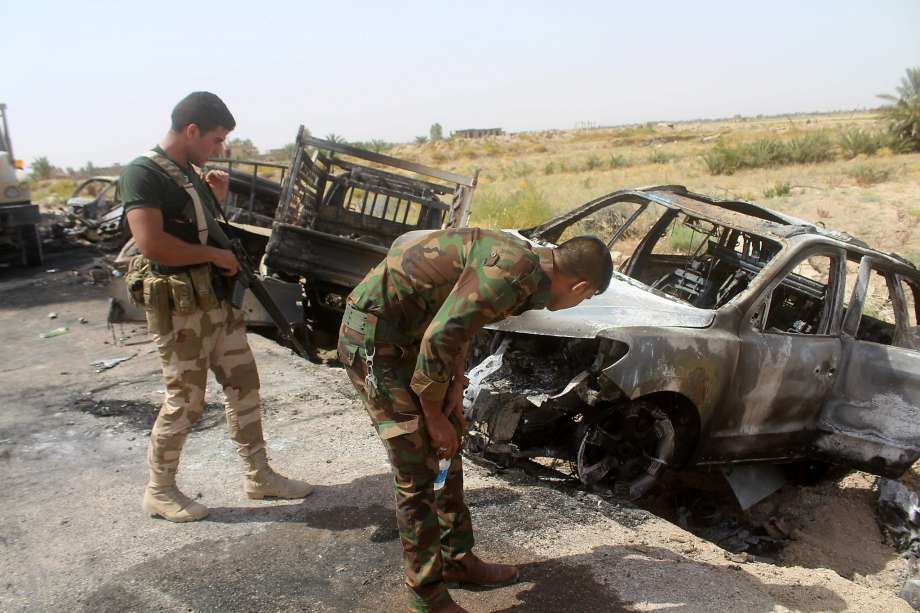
{"x":143,"y":184}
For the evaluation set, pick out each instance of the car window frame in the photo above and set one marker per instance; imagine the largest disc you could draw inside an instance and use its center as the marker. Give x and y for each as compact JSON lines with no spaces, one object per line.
{"x":867,"y":264}
{"x":833,"y":307}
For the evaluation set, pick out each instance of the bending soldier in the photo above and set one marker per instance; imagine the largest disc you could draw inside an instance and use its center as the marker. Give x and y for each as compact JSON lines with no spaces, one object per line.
{"x":403,"y":342}
{"x":181,"y":280}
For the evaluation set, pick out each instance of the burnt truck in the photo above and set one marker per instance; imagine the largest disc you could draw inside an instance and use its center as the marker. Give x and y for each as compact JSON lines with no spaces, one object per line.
{"x":731,"y":336}
{"x":340,"y":209}
{"x":20,"y":243}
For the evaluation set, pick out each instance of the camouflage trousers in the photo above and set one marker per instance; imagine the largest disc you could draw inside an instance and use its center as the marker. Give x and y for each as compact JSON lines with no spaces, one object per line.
{"x":434,"y":527}
{"x":214,"y":339}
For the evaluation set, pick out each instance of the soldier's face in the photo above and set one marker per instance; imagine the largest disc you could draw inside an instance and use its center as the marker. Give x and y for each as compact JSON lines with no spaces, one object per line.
{"x":565,"y":294}
{"x":205,"y":145}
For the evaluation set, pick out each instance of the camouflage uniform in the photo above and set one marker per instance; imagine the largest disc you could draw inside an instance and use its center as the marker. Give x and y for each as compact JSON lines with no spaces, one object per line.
{"x":214,"y":339}
{"x":195,"y":329}
{"x":416,"y":311}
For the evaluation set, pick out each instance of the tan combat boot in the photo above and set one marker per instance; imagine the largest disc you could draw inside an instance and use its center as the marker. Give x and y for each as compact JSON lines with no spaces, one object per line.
{"x":470,"y":570}
{"x":163,"y":498}
{"x":261,"y":481}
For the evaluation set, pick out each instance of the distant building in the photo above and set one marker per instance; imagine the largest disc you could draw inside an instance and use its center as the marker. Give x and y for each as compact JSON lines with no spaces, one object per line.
{"x":477,"y":132}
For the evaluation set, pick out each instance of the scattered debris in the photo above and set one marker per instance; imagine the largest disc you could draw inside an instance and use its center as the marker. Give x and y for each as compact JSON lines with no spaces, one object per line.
{"x":83,"y":320}
{"x":55,"y":332}
{"x":112,"y":363}
{"x":899,"y":521}
{"x":52,"y":315}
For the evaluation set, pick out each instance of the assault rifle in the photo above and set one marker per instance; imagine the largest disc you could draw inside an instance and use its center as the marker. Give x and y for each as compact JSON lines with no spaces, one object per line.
{"x":247,"y":278}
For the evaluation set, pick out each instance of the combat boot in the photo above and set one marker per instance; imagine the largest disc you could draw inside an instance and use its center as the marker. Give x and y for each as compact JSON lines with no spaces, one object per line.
{"x":261,"y":481}
{"x":163,"y":498}
{"x":470,"y":570}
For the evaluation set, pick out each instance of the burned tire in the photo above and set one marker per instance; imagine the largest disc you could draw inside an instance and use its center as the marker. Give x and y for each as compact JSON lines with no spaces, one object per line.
{"x":31,"y":242}
{"x":626,"y":449}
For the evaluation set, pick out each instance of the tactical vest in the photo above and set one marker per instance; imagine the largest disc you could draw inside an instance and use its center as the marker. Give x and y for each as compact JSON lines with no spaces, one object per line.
{"x":182,"y":292}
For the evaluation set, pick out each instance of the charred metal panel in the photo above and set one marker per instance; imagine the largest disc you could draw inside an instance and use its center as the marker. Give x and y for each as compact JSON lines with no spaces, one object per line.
{"x":685,"y":361}
{"x":339,"y":260}
{"x":874,"y":415}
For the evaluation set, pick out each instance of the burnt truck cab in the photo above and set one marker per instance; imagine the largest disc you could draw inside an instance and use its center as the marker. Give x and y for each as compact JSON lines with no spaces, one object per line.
{"x":730,"y":336}
{"x":340,"y":209}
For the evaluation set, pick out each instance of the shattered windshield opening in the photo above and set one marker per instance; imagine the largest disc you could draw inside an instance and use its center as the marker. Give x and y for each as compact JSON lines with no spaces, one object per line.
{"x":692,"y":259}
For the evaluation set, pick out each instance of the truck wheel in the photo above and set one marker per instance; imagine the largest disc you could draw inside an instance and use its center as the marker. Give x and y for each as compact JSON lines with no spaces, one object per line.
{"x":31,"y":246}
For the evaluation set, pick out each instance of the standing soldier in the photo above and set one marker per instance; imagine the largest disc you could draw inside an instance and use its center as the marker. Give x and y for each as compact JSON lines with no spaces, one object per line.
{"x":403,"y":342}
{"x":181,"y":280}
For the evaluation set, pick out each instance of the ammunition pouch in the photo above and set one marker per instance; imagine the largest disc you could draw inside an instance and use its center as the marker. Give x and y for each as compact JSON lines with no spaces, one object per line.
{"x":156,"y":303}
{"x":138,"y":269}
{"x":162,"y":295}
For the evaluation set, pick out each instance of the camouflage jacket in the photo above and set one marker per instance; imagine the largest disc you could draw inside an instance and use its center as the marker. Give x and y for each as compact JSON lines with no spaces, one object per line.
{"x":439,"y":288}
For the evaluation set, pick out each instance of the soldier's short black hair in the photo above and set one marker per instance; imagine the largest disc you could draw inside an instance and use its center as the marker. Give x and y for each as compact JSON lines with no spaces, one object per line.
{"x":203,"y":109}
{"x":587,"y":258}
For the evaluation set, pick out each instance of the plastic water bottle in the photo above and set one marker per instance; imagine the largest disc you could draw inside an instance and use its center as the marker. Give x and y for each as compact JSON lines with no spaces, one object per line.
{"x":443,"y":466}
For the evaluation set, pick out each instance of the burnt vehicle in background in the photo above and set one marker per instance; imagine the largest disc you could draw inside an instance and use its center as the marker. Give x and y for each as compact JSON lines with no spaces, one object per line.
{"x":340,"y":209}
{"x":731,"y":336}
{"x":95,"y":209}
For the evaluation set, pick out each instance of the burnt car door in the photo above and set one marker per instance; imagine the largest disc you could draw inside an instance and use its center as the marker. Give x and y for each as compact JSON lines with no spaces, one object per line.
{"x":789,"y":350}
{"x":872,"y":418}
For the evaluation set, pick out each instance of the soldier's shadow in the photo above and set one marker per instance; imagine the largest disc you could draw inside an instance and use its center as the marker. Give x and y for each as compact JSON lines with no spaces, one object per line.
{"x":364,"y":502}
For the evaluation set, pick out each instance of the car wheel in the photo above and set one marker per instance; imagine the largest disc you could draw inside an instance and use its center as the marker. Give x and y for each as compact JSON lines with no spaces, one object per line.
{"x":626,"y":449}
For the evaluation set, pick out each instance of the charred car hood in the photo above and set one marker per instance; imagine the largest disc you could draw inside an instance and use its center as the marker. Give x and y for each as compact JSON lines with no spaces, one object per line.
{"x":625,"y":304}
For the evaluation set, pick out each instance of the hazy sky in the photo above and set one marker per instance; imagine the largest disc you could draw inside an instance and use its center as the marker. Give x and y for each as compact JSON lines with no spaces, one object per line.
{"x":96,"y":81}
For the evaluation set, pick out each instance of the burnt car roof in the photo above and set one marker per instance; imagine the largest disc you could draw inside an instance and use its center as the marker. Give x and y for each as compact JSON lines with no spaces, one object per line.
{"x":738,"y":214}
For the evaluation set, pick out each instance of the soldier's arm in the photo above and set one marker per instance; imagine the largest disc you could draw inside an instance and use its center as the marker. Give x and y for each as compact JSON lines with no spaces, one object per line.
{"x":146,"y":225}
{"x":140,"y":189}
{"x":480,"y":296}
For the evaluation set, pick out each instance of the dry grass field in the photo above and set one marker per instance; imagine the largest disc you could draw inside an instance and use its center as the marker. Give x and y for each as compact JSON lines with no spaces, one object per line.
{"x":526,"y":177}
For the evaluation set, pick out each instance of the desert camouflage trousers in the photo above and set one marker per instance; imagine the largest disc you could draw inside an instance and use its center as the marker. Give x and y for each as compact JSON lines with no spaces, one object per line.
{"x":434,"y":527}
{"x":214,"y":339}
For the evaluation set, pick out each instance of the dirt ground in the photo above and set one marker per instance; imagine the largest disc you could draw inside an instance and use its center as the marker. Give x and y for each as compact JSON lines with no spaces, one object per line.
{"x":73,"y":536}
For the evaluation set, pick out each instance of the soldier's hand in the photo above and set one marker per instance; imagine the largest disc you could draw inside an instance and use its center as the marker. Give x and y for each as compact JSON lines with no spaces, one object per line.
{"x":453,"y":403}
{"x":443,"y":435}
{"x":219,"y":182}
{"x":225,"y":261}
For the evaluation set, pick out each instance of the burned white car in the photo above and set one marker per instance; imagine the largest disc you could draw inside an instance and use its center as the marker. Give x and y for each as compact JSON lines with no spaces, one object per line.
{"x":730,"y":336}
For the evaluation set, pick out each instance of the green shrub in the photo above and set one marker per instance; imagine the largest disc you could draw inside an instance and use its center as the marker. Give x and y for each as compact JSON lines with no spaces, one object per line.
{"x":867,"y":175}
{"x":518,"y":209}
{"x":617,"y":161}
{"x":593,"y":163}
{"x":779,"y":189}
{"x":550,"y":168}
{"x":660,"y":157}
{"x":810,"y":149}
{"x":684,"y":239}
{"x":862,"y":142}
{"x":725,"y":159}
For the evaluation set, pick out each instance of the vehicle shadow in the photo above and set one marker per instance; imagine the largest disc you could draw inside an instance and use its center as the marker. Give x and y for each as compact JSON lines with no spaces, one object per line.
{"x":592,"y":582}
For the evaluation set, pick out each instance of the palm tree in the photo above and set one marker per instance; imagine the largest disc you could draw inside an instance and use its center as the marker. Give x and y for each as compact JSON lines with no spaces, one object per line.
{"x":903,"y":114}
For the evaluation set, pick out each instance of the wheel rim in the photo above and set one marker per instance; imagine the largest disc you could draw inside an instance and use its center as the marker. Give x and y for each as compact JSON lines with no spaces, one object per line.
{"x":626,"y":450}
